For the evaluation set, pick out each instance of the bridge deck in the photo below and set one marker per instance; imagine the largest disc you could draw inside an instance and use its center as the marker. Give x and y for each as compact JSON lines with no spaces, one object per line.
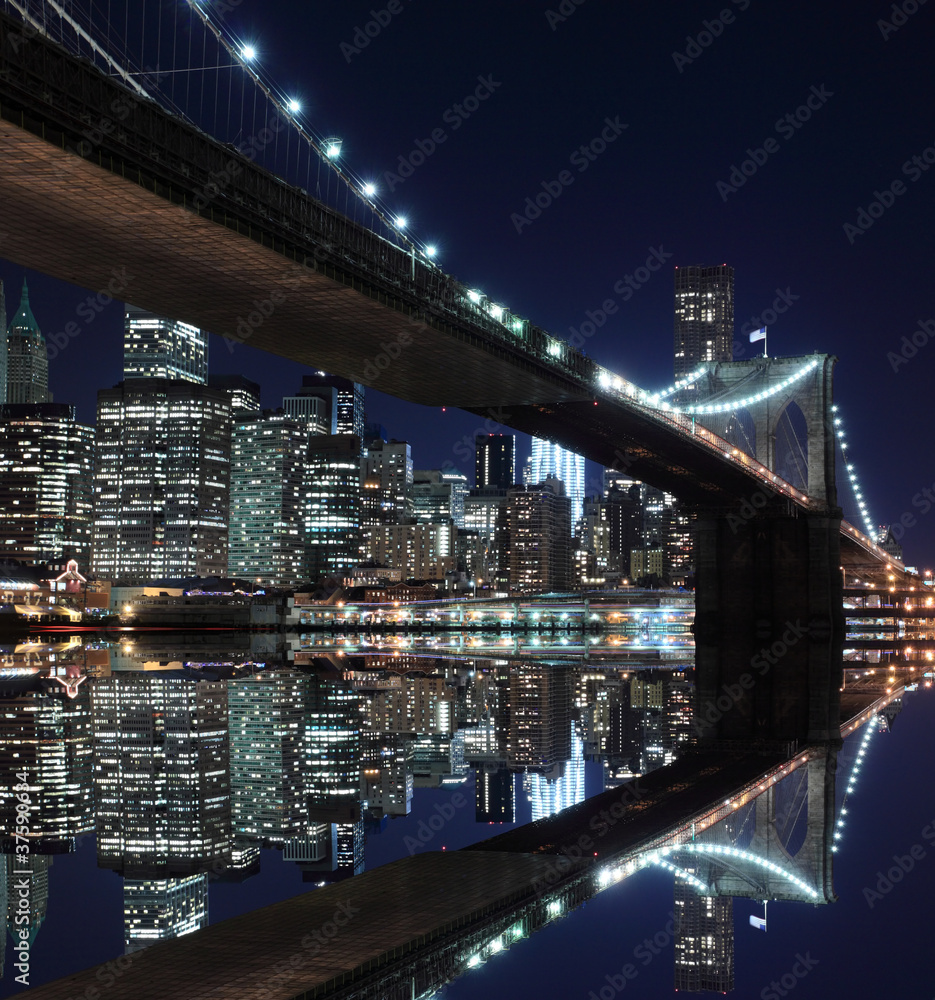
{"x":390,"y":912}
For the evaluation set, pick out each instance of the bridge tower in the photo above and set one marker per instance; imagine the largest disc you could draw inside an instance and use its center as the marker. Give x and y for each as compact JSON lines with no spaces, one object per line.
{"x":769,"y":621}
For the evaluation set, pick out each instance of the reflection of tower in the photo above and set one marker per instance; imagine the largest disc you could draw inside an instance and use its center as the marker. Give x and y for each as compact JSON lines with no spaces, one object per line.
{"x":704,"y":941}
{"x":550,"y":795}
{"x":48,"y":735}
{"x":265,"y":713}
{"x":332,"y":751}
{"x":494,"y":794}
{"x":540,"y":715}
{"x":161,"y":778}
{"x":159,"y":909}
{"x":37,"y":866}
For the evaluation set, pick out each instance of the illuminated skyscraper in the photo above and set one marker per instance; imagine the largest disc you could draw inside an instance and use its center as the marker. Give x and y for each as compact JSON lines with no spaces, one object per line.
{"x":267,"y":523}
{"x":267,"y":718}
{"x":46,"y":470}
{"x":47,"y":734}
{"x":386,"y":476}
{"x":704,"y":941}
{"x":495,"y":460}
{"x":157,"y":347}
{"x":332,"y":751}
{"x":160,"y":909}
{"x":244,"y":394}
{"x":494,"y":794}
{"x":344,"y":400}
{"x":27,"y":358}
{"x":551,"y":460}
{"x":332,"y":505}
{"x":162,"y":481}
{"x":704,"y":316}
{"x":539,"y":529}
{"x":162,"y":774}
{"x":564,"y":787}
{"x":438,"y":496}
{"x":539,"y":728}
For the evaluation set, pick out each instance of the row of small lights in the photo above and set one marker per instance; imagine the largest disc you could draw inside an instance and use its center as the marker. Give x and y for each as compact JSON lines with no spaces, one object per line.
{"x":852,"y":475}
{"x":738,"y":404}
{"x":247,"y":55}
{"x":735,"y":852}
{"x":852,"y":782}
{"x":495,"y":946}
{"x":656,"y":397}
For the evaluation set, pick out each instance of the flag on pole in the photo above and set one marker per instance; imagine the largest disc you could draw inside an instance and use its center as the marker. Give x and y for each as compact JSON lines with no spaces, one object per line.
{"x":758,"y":335}
{"x":758,"y":922}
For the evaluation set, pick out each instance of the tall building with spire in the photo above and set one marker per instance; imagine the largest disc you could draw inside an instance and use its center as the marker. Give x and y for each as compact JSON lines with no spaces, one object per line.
{"x":27,"y":378}
{"x":704,"y":316}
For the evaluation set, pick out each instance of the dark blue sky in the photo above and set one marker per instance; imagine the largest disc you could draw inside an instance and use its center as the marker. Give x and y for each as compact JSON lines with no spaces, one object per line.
{"x":554,"y":86}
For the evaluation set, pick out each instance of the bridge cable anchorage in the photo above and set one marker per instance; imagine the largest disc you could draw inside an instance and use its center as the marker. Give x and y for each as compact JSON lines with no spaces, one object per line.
{"x":869,"y":526}
{"x":852,"y":782}
{"x":243,"y":55}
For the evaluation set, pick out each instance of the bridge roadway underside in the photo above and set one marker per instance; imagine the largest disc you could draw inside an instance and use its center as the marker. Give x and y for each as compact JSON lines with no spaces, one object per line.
{"x":118,"y":220}
{"x":409,"y":905}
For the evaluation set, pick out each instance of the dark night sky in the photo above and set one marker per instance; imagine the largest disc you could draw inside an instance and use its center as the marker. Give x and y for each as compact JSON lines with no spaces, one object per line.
{"x":654,"y":187}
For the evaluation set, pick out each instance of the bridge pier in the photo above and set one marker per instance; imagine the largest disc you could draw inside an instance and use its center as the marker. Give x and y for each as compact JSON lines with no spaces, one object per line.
{"x":769,"y":627}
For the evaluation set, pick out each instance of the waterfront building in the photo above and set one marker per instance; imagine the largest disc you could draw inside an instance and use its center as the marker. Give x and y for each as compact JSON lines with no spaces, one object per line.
{"x":46,"y":475}
{"x":539,"y":529}
{"x":332,"y":505}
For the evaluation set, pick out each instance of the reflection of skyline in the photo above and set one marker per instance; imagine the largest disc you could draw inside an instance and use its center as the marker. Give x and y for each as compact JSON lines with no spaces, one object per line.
{"x":352,"y":774}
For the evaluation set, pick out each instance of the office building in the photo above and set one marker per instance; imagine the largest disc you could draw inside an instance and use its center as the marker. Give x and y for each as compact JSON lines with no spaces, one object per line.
{"x":46,"y":474}
{"x":386,"y":477}
{"x":331,"y":751}
{"x":421,"y":551}
{"x":267,"y":502}
{"x":562,"y":787}
{"x":158,"y":347}
{"x":494,"y":460}
{"x":161,"y":909}
{"x":550,"y":460}
{"x":343,"y":399}
{"x":162,"y":481}
{"x":162,"y":779}
{"x":47,"y":734}
{"x":539,"y":529}
{"x":333,"y":505}
{"x":243,"y":393}
{"x":266,"y":716}
{"x":27,"y":357}
{"x":704,"y":941}
{"x":494,"y":793}
{"x":438,"y":496}
{"x":704,"y":316}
